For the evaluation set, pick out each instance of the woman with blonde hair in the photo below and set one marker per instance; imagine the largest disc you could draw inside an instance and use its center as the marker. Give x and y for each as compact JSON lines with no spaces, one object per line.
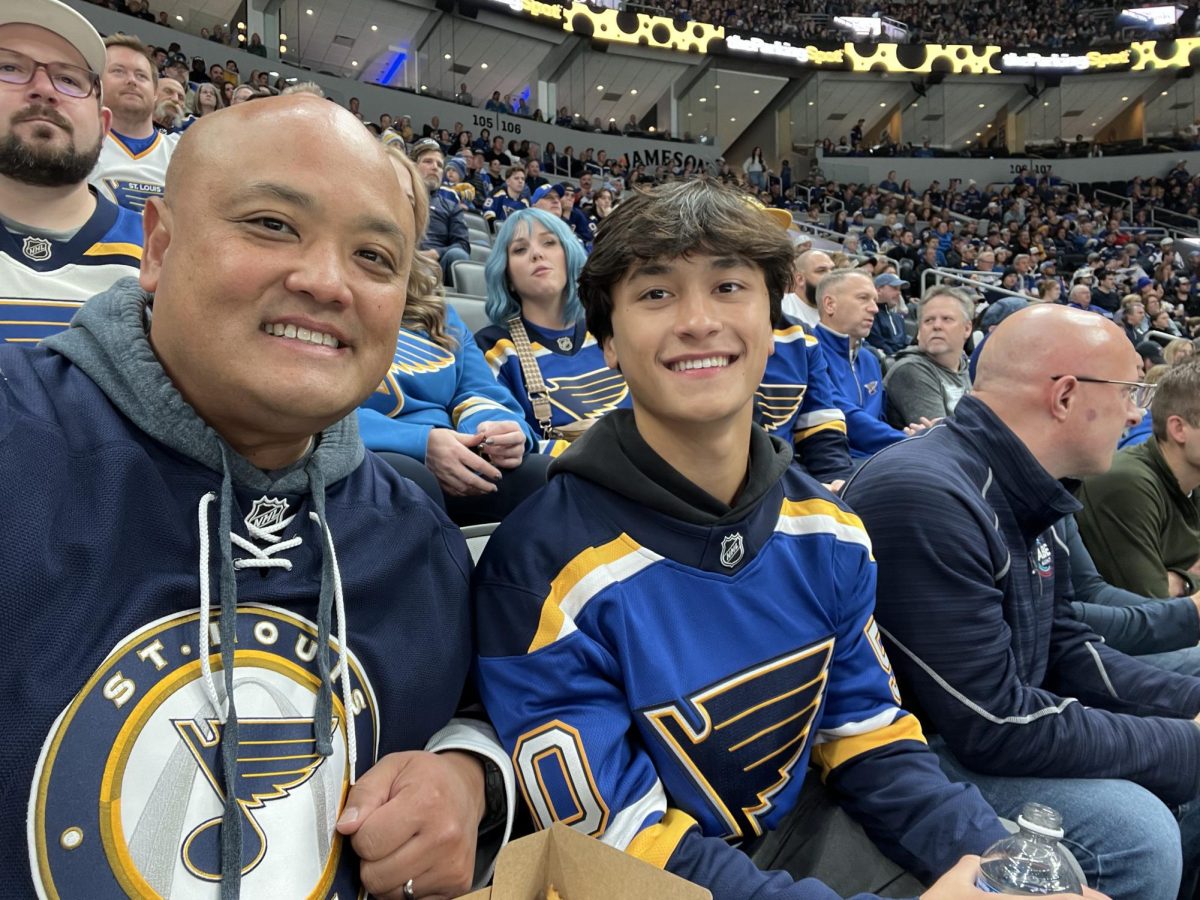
{"x":1178,"y":351}
{"x":439,"y":417}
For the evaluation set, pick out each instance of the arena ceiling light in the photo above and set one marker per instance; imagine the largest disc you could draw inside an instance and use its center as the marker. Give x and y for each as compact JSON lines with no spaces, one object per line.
{"x":483,"y":65}
{"x":179,"y":18}
{"x":600,"y":87}
{"x":354,"y":62}
{"x":756,"y":90}
{"x":703,"y":99}
{"x":633,"y":92}
{"x":374,"y":27}
{"x":1124,"y":99}
{"x":308,"y":12}
{"x":445,"y":56}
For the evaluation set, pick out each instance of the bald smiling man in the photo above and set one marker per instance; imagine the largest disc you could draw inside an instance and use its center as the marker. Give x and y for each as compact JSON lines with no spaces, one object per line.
{"x":243,"y":641}
{"x":974,"y":598}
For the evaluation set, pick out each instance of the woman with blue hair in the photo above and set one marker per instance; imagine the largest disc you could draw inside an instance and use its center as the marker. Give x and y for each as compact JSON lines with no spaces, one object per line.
{"x":538,"y":345}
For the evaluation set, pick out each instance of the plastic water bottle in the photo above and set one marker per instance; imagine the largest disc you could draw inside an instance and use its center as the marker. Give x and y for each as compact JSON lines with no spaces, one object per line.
{"x":1031,"y":862}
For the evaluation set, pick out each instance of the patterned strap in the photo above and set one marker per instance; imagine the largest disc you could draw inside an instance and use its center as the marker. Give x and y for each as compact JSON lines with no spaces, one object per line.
{"x":535,"y":387}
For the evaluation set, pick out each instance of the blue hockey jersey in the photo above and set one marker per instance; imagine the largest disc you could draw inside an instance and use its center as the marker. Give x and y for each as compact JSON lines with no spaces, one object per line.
{"x":111,"y":544}
{"x":579,"y":381}
{"x":795,"y":400}
{"x":500,"y":206}
{"x":663,"y":683}
{"x":429,"y":386}
{"x":43,"y":282}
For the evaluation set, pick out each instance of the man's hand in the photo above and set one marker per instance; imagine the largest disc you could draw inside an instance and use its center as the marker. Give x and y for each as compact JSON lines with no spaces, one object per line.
{"x":504,"y":443}
{"x":918,"y":427}
{"x":449,"y":456}
{"x":959,"y":884}
{"x":416,"y":816}
{"x":835,"y":486}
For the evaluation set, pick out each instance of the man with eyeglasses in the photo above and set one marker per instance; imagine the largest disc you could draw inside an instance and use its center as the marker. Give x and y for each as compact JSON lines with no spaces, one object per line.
{"x":1141,"y":519}
{"x":134,"y":158}
{"x":61,"y":242}
{"x":973,"y":599}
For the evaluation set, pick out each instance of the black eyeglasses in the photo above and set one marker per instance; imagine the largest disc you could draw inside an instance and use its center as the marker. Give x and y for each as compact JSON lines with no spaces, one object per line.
{"x":68,"y":80}
{"x":1140,"y":393}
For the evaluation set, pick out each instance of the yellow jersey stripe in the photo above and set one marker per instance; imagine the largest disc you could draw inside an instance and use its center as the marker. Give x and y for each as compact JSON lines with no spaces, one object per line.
{"x":115,"y":248}
{"x":832,"y":754}
{"x":818,"y":516}
{"x":801,"y":433}
{"x":656,"y":843}
{"x":581,"y":579}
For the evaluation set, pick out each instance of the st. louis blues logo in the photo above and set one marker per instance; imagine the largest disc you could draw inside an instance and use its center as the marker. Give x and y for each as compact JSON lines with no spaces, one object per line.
{"x":129,"y":793}
{"x":777,"y":404}
{"x":277,"y":756}
{"x":37,"y":249}
{"x":590,"y":395}
{"x":415,"y":354}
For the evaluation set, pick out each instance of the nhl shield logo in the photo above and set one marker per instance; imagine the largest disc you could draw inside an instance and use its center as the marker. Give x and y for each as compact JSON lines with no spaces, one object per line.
{"x":732,"y":549}
{"x":565,"y":344}
{"x":36,"y":248}
{"x":266,"y":512}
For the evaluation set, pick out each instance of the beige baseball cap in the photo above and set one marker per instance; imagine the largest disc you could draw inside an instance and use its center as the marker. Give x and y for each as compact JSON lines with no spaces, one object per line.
{"x":63,"y":21}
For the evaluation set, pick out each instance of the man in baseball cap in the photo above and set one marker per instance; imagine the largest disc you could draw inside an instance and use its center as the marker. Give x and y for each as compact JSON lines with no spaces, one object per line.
{"x":887,"y":332}
{"x":63,"y":242}
{"x":548,"y":197}
{"x":447,"y":238}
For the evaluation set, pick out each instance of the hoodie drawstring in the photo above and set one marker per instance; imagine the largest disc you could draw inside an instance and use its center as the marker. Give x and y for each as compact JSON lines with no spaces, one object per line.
{"x":331,"y":600}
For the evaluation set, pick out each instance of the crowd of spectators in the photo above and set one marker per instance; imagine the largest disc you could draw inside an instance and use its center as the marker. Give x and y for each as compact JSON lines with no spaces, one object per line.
{"x":1054,"y":25}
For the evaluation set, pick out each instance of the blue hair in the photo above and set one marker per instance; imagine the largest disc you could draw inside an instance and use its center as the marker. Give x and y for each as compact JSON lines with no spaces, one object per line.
{"x":502,"y":304}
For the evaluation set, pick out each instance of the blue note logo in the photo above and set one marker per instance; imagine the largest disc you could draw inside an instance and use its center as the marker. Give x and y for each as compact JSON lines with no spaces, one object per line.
{"x":743,"y":739}
{"x":128,"y":796}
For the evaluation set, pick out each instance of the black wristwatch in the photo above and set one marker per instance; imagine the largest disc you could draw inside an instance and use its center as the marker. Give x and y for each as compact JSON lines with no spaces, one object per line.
{"x":496,"y":813}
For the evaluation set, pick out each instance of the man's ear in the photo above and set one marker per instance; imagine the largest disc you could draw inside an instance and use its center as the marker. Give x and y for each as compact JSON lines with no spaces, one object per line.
{"x":157,"y":223}
{"x":1176,"y":429}
{"x":1063,"y":395}
{"x":610,"y":354}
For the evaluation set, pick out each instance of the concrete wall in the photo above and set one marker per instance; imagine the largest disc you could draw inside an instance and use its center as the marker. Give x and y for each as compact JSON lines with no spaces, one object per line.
{"x":871,"y":170}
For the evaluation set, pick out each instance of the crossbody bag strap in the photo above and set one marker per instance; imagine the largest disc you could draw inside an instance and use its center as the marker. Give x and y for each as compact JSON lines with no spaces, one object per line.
{"x":535,"y":387}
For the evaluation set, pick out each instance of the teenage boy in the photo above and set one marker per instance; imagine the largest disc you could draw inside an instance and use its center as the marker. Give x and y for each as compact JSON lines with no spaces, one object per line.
{"x":679,"y":623}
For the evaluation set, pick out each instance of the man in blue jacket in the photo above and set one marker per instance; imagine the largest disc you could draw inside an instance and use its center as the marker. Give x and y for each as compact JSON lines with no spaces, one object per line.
{"x":447,"y":239}
{"x":974,"y":591}
{"x":848,"y":301}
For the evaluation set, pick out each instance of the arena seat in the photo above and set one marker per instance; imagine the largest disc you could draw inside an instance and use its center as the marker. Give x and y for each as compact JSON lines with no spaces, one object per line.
{"x":480,"y":252}
{"x":470,"y":310}
{"x":478,"y":234}
{"x":467,"y":276}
